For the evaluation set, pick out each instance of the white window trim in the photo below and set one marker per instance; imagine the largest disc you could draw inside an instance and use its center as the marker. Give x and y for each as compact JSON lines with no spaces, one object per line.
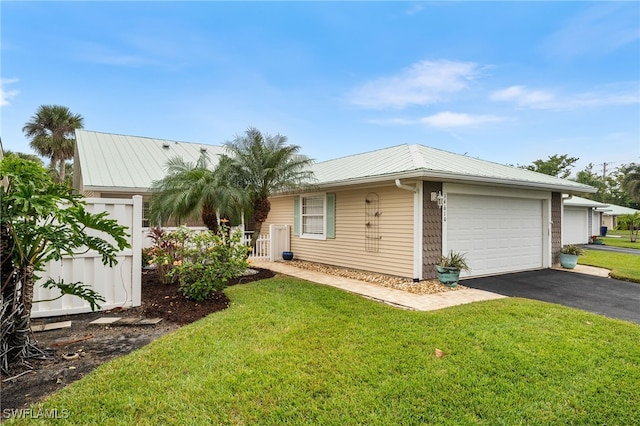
{"x":322,"y":236}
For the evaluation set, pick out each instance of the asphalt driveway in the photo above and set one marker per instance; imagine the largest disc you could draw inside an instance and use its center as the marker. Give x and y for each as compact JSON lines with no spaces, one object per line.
{"x":604,"y":296}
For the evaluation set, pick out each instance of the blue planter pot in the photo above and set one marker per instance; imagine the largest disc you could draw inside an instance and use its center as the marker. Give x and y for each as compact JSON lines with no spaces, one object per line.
{"x":568,"y":261}
{"x":287,"y":255}
{"x":448,"y":276}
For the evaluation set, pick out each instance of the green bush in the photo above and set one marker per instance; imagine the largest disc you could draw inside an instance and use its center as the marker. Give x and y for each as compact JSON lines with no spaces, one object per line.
{"x":206,"y":261}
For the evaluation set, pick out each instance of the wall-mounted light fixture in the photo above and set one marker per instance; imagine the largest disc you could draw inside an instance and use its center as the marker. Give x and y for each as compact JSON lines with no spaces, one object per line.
{"x":438,"y":197}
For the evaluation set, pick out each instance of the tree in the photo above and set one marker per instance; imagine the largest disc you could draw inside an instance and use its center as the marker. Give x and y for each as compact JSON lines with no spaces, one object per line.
{"x":41,"y":221}
{"x":589,"y":177}
{"x":52,"y":135}
{"x":556,"y":165}
{"x":25,"y":156}
{"x":191,"y":190}
{"x":631,"y":180}
{"x":261,"y":165}
{"x":632,"y":223}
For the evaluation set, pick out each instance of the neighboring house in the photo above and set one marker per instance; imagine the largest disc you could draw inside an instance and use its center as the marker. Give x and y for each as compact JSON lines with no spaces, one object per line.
{"x":581,"y":219}
{"x":118,"y":166}
{"x":392,"y":211}
{"x":610,"y":215}
{"x":397,"y":210}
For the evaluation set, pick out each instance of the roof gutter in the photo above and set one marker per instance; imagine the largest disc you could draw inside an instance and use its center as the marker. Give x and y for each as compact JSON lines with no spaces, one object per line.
{"x":457,"y":178}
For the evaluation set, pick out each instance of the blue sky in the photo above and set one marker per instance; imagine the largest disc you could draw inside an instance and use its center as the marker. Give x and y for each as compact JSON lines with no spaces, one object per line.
{"x":509,"y":82}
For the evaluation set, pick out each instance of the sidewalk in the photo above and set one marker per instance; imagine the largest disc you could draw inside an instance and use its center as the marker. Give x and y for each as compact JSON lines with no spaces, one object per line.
{"x":398,"y":298}
{"x":584,"y":269}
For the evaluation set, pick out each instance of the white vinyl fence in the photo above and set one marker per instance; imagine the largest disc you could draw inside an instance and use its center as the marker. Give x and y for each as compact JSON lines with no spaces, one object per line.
{"x":120,"y":285}
{"x":270,"y":246}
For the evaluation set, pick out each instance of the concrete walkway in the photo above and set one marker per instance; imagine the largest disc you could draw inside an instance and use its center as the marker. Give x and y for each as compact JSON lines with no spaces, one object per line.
{"x":398,"y":298}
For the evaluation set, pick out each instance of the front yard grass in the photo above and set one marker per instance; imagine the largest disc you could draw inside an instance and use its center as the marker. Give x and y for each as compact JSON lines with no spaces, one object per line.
{"x":624,"y":241}
{"x":623,"y":266}
{"x":291,"y":352}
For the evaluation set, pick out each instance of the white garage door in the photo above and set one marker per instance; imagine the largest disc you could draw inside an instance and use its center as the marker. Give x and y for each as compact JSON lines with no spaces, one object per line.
{"x":498,"y":234}
{"x":575,"y":226}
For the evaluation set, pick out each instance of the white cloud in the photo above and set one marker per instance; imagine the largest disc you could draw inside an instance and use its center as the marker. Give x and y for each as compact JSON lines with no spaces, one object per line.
{"x":454,"y":119}
{"x":522,"y":96}
{"x":5,"y":95}
{"x":601,"y":28}
{"x":414,"y":8}
{"x":423,"y":83}
{"x":611,"y":94}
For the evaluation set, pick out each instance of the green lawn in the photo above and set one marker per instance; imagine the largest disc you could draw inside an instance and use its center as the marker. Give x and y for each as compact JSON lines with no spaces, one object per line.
{"x":623,"y":241}
{"x":291,"y":352}
{"x":623,"y":266}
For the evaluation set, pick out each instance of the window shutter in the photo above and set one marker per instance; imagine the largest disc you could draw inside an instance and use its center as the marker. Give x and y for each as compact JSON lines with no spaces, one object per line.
{"x":331,"y":215}
{"x":296,"y":216}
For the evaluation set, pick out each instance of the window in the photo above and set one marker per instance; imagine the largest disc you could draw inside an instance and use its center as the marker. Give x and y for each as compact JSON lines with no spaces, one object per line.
{"x":314,"y":216}
{"x":145,"y":214}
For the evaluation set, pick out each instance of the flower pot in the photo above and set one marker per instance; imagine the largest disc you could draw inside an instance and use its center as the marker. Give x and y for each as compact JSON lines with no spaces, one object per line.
{"x":287,"y":255}
{"x":448,"y":276}
{"x":568,"y":261}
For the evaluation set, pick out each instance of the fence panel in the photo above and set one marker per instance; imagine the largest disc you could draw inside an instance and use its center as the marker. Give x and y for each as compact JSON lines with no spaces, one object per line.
{"x":119,"y":285}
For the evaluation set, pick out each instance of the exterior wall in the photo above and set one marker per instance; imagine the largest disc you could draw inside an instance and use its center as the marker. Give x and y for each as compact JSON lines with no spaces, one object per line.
{"x":608,"y":221}
{"x":556,"y":227}
{"x":347,"y":249}
{"x":432,"y":234}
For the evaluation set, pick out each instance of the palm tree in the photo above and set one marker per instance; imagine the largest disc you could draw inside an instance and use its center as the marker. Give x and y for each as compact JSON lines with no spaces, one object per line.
{"x":631,"y":180}
{"x":51,"y":130}
{"x":190,"y":190}
{"x":261,"y":165}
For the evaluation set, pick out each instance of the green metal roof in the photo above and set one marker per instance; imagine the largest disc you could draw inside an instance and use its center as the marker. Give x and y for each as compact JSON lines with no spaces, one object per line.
{"x":111,"y":162}
{"x":614,"y":210}
{"x":584,"y":202}
{"x":422,"y":162}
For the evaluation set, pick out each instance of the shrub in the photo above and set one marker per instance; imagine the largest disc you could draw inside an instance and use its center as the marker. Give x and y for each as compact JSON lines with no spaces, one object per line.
{"x":162,"y":254}
{"x":205,"y":261}
{"x":572,"y":249}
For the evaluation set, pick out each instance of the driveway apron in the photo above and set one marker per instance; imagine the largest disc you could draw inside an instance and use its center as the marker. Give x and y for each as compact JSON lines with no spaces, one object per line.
{"x":603,"y":296}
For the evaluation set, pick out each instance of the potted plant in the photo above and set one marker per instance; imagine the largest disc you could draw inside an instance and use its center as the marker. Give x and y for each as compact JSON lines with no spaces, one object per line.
{"x":450,"y":266}
{"x":595,"y":239}
{"x":287,"y":255}
{"x":569,"y":256}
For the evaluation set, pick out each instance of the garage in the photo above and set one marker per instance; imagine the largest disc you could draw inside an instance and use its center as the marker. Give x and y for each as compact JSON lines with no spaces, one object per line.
{"x":498,"y":234}
{"x":575,"y":225}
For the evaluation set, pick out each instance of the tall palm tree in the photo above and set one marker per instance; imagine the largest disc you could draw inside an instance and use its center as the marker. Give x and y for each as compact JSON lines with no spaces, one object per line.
{"x":191,"y":190}
{"x":262,"y":165}
{"x":631,"y":180}
{"x":51,"y":130}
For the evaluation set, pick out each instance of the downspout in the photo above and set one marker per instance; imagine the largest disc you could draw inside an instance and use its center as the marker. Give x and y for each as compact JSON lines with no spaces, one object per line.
{"x":417,"y":226}
{"x":406,"y":187}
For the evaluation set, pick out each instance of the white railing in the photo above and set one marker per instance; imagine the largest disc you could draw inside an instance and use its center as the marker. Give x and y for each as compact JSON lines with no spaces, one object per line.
{"x":269,"y":246}
{"x":261,"y":249}
{"x":119,"y":285}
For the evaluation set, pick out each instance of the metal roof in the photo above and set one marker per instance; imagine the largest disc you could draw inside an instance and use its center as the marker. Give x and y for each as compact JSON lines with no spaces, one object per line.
{"x":422,"y":162}
{"x":584,"y":202}
{"x":614,"y":210}
{"x":111,"y":162}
